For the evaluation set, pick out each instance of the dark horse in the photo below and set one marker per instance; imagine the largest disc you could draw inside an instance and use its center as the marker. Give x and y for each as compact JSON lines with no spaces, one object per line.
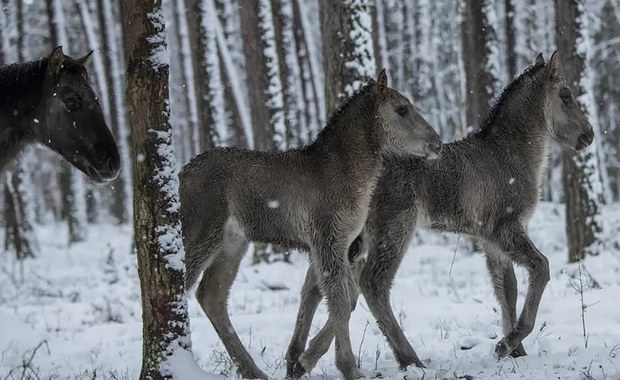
{"x":315,"y":198}
{"x":485,"y":186}
{"x":50,"y":102}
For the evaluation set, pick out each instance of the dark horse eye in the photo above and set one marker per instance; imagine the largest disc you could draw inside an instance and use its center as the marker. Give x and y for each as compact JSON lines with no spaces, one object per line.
{"x":402,"y":110}
{"x":565,"y":99}
{"x":72,"y":103}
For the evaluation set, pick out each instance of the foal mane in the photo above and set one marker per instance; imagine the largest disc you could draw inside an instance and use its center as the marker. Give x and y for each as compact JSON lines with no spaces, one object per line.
{"x":493,"y":112}
{"x":335,"y":117}
{"x":19,"y":78}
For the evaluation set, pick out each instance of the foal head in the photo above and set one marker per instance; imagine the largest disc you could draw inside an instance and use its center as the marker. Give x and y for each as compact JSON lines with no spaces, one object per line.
{"x":73,"y":123}
{"x":565,"y":120}
{"x":403,"y":129}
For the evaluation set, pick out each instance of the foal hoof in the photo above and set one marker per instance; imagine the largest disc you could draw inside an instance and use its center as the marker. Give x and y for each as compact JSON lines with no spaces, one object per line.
{"x":251,"y":373}
{"x":404,"y":364}
{"x":502,"y":349}
{"x":295,"y":371}
{"x":518,"y":352}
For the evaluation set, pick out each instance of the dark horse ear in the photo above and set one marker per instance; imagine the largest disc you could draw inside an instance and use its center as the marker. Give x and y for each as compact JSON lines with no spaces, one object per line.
{"x":86,"y":60}
{"x":540,"y":60}
{"x":382,"y":82}
{"x":553,"y":65}
{"x":55,"y":60}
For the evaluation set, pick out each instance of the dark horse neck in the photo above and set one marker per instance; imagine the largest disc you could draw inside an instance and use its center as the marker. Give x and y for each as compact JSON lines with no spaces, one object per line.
{"x":20,"y":92}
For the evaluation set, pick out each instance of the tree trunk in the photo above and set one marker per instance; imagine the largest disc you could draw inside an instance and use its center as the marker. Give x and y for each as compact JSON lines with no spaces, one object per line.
{"x":74,"y":195}
{"x":121,"y":186}
{"x":19,"y":228}
{"x":157,"y":226}
{"x":511,"y":55}
{"x":263,"y":80}
{"x":479,"y":81}
{"x":348,"y":62}
{"x":581,"y":171}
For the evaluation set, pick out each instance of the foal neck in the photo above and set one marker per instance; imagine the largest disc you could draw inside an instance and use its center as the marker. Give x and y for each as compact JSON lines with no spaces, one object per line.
{"x":350,"y":142}
{"x":519,"y":128}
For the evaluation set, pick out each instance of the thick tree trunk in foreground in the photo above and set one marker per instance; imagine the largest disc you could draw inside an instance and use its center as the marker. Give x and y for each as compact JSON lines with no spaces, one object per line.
{"x":157,"y":226}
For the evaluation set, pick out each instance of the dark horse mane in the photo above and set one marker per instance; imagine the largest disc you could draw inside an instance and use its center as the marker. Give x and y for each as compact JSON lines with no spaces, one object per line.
{"x":494,"y":111}
{"x":19,"y":78}
{"x":332,"y":122}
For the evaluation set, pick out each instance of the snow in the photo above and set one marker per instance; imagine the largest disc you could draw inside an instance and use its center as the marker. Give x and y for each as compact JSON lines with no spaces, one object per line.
{"x":169,"y":234}
{"x":83,"y":301}
{"x":159,"y":55}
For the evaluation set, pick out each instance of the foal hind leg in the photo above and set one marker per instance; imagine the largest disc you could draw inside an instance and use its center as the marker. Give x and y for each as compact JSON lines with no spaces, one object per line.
{"x":384,"y":258}
{"x":320,"y":343}
{"x":515,"y":243}
{"x":310,"y":299}
{"x":505,"y":288}
{"x":212,"y":295}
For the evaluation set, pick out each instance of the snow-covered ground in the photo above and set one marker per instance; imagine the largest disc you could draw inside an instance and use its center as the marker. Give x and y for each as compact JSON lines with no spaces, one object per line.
{"x":74,"y":312}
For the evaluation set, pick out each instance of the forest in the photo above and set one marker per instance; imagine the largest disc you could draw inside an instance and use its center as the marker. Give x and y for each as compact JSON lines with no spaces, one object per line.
{"x":267,"y":75}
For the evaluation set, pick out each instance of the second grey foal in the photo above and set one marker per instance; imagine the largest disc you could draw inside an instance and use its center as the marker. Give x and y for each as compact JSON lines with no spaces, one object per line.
{"x":485,"y":186}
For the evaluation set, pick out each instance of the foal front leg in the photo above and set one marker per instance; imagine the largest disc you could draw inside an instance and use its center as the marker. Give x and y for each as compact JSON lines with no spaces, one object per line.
{"x":504,"y":284}
{"x":335,"y":279}
{"x":515,"y":243}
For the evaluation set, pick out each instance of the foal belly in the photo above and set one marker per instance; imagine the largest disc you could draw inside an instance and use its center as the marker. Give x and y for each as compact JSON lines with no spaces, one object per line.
{"x":276,"y":224}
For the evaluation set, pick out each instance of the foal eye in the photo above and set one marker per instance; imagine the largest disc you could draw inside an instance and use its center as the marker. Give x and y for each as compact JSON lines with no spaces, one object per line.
{"x":72,"y":103}
{"x":565,"y":99}
{"x":402,"y":110}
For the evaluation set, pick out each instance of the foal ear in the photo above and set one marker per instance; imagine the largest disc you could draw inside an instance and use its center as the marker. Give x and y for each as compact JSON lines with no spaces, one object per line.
{"x":553,"y":65}
{"x":382,"y":82}
{"x":540,"y":60}
{"x":55,"y":60}
{"x":86,"y":60}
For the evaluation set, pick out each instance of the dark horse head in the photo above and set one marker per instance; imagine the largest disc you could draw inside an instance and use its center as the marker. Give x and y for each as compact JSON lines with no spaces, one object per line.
{"x":50,"y":101}
{"x":73,"y":123}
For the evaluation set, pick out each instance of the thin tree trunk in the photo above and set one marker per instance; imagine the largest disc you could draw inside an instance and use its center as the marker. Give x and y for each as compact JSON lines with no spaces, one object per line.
{"x":480,"y":83}
{"x":511,"y":55}
{"x":263,"y":80}
{"x":121,"y":186}
{"x":74,"y":195}
{"x":581,"y":172}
